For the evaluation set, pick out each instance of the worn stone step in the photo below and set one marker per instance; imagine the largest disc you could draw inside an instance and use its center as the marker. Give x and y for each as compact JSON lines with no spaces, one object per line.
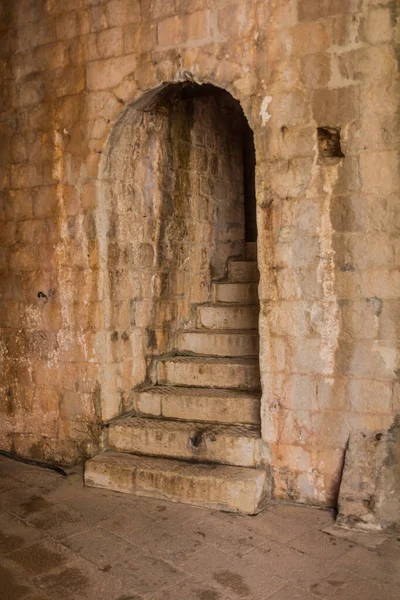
{"x":219,"y":343}
{"x":234,"y":489}
{"x":243,"y":293}
{"x":199,"y":404}
{"x":203,"y":371}
{"x":229,"y":445}
{"x":243,"y":271}
{"x":225,"y":316}
{"x":251,"y":250}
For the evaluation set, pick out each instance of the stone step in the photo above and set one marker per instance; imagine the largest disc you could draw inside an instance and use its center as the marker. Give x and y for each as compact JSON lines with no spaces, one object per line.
{"x":243,"y":271}
{"x":251,"y":250}
{"x":242,"y":293}
{"x":199,"y":404}
{"x":200,"y":442}
{"x":233,"y":489}
{"x":219,"y":343}
{"x":225,"y":316}
{"x":203,"y":371}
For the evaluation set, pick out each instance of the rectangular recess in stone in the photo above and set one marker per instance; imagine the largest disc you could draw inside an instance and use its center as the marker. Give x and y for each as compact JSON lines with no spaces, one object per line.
{"x":329,"y":145}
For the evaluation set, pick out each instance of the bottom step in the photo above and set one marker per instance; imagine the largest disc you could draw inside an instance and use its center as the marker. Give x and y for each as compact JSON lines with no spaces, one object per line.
{"x":234,"y":489}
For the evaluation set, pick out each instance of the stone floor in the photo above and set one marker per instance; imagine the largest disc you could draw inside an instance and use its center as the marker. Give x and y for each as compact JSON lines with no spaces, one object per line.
{"x":61,"y":541}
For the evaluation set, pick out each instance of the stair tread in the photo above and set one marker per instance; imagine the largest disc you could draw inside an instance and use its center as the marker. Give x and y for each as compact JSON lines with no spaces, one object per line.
{"x":235,"y":259}
{"x":171,"y":390}
{"x":169,"y":425}
{"x":203,"y":331}
{"x":200,"y":358}
{"x":172,"y":464}
{"x":227,"y":304}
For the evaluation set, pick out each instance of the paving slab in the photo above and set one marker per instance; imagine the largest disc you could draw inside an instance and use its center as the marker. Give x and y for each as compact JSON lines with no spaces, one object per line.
{"x":61,"y":541}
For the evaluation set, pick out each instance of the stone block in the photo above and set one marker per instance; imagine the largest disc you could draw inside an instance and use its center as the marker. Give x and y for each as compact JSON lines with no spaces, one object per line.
{"x":240,"y":446}
{"x":316,"y":69}
{"x":45,"y":202}
{"x":122,"y":13}
{"x":110,"y":42}
{"x":369,"y":396}
{"x":233,"y":489}
{"x":361,"y":318}
{"x":169,"y":32}
{"x":377,"y":26}
{"x":349,"y":213}
{"x":376,"y":359}
{"x":289,"y":109}
{"x":369,"y":496}
{"x":26,"y":175}
{"x":389,"y":319}
{"x":309,"y":38}
{"x":346,"y":29}
{"x":75,"y":406}
{"x":51,"y":56}
{"x":356,"y":65}
{"x":203,"y":372}
{"x":110,"y":72}
{"x":288,"y":318}
{"x":312,"y":356}
{"x":336,"y":107}
{"x":386,"y":164}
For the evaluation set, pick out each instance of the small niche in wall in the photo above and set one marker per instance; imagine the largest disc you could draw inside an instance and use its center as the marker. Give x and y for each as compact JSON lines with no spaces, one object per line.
{"x":329,"y":146}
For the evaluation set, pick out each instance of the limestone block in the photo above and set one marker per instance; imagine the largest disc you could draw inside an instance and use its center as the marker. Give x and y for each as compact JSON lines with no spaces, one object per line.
{"x":367,"y":358}
{"x":335,"y":107}
{"x":369,"y":495}
{"x":288,"y":318}
{"x":316,"y":69}
{"x":110,"y":42}
{"x":289,"y":109}
{"x":369,"y":396}
{"x":204,"y":372}
{"x":45,"y":202}
{"x":219,"y":343}
{"x":357,"y":64}
{"x":121,"y":13}
{"x":361,"y":318}
{"x":110,"y":72}
{"x":389,"y":320}
{"x":346,"y":29}
{"x":240,"y":446}
{"x":349,"y":213}
{"x":26,"y":175}
{"x":379,"y":283}
{"x":35,"y":34}
{"x":221,"y":487}
{"x":386,"y":163}
{"x":7,"y":233}
{"x":51,"y":56}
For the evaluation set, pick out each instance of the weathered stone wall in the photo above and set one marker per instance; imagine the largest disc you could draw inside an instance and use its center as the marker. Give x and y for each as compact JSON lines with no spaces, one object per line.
{"x":328,"y":228}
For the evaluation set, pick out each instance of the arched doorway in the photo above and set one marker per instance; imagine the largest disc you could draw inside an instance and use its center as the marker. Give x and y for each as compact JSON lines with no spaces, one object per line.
{"x":181,"y":183}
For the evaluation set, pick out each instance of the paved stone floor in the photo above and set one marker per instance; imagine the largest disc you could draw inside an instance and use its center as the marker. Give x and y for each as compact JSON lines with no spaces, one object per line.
{"x":61,"y":541}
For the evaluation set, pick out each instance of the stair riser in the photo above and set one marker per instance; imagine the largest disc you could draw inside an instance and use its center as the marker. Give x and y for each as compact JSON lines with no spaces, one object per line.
{"x":243,"y":293}
{"x":208,"y":375}
{"x":241,"y":271}
{"x":227,"y":317}
{"x":228,"y":410}
{"x":219,"y":344}
{"x":219,"y":448}
{"x":205,"y":487}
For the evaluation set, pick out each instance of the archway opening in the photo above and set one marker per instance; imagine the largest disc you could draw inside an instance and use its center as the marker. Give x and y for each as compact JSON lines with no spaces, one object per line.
{"x":180,"y":231}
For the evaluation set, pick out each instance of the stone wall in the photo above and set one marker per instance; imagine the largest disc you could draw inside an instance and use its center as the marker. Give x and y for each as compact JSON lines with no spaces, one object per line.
{"x":328,"y":227}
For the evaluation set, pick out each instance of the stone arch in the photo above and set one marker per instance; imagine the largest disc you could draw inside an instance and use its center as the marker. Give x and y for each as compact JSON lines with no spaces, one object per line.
{"x":170,"y":214}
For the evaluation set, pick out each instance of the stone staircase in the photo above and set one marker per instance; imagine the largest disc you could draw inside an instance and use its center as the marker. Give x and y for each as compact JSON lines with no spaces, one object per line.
{"x":194,"y":436}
